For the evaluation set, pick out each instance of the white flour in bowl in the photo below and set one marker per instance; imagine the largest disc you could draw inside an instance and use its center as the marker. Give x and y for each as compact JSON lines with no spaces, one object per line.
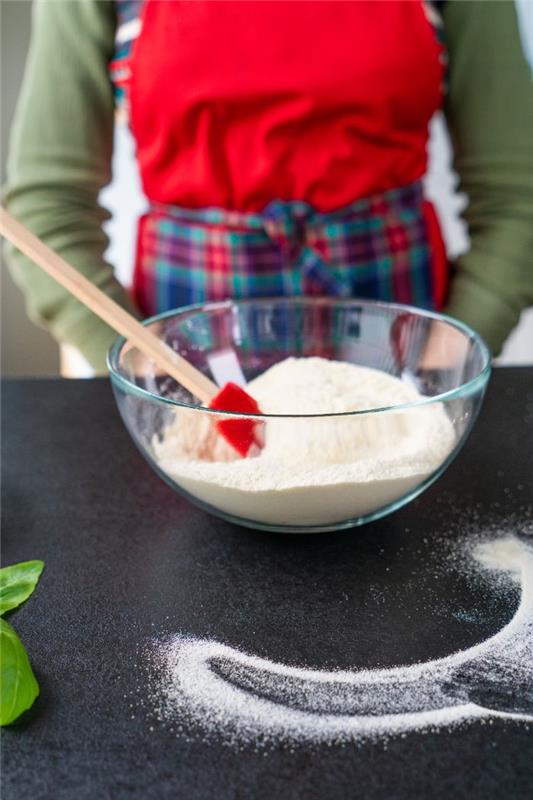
{"x":312,"y":471}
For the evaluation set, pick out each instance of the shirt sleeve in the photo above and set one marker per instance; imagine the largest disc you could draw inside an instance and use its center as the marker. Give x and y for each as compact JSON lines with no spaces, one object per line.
{"x":489,"y":110}
{"x":59,"y":159}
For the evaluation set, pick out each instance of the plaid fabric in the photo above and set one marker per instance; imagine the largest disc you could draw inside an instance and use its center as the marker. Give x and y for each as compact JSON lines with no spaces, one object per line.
{"x":374,"y":248}
{"x":128,"y":28}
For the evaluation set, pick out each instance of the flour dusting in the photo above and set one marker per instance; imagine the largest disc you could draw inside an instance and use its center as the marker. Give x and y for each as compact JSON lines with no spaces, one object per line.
{"x":319,"y":470}
{"x":219,"y":689}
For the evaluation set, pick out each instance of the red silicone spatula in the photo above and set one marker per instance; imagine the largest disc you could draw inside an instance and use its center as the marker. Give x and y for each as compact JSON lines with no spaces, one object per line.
{"x":244,"y":435}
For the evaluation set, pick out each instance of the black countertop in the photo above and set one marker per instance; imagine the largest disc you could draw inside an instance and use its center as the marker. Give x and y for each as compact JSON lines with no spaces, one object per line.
{"x":127,"y":560}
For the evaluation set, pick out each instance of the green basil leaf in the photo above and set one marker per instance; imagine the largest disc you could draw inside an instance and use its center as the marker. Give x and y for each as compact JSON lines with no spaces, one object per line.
{"x":17,"y":583}
{"x":18,"y":687}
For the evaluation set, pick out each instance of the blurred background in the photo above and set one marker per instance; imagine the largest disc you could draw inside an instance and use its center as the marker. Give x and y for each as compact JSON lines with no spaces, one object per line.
{"x":27,"y":350}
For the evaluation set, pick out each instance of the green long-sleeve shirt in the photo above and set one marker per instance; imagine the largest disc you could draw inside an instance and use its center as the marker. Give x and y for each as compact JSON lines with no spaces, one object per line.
{"x":62,"y":138}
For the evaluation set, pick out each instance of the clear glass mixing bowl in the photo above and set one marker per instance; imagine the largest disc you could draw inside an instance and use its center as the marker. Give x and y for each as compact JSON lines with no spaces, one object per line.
{"x":389,"y":454}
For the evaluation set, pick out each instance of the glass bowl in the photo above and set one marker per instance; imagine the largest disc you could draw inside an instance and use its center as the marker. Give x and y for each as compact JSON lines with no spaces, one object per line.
{"x":316,"y":472}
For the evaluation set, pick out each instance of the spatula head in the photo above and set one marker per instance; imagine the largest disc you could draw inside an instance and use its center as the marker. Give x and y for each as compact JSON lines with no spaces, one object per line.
{"x":244,"y":435}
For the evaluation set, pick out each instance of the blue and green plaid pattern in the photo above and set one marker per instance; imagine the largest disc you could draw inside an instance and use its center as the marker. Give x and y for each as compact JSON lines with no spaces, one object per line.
{"x":374,"y":248}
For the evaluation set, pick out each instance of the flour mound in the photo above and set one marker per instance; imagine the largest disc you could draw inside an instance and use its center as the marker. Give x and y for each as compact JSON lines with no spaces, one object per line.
{"x":318,"y":386}
{"x":319,"y":469}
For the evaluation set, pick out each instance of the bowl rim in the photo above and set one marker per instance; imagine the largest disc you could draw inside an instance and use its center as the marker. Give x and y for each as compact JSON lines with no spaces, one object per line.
{"x":463,"y":389}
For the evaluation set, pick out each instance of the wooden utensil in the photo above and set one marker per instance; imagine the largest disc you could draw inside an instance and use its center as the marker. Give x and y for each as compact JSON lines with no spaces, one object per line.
{"x":240,"y":433}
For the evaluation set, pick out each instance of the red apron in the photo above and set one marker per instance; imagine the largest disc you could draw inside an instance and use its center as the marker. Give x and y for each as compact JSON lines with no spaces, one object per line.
{"x":238,"y":105}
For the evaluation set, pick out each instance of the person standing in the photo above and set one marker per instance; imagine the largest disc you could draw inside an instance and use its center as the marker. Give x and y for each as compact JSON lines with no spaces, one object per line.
{"x":281,"y":147}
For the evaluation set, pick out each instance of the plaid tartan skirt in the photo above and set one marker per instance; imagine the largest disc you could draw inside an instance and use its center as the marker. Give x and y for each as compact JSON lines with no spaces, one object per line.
{"x":382,"y":247}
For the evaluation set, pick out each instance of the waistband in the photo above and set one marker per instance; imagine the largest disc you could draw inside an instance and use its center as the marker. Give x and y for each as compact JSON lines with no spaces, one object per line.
{"x":286,"y":216}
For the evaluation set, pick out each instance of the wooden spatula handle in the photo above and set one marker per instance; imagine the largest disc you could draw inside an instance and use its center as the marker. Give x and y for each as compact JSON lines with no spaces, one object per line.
{"x":103,"y":306}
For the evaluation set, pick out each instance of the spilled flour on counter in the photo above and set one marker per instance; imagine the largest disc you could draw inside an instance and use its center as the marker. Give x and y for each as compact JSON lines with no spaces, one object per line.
{"x":313,"y":471}
{"x":219,"y":689}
